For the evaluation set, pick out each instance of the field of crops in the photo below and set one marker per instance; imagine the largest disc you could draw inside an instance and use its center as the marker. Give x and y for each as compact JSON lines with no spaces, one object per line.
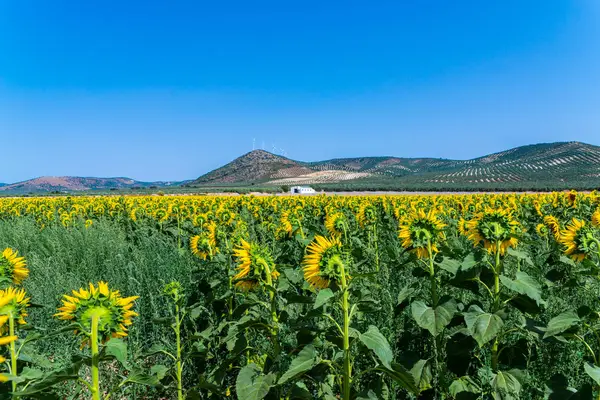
{"x":324,"y":297}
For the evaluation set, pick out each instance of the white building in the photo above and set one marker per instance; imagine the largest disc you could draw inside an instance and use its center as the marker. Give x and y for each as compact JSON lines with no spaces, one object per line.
{"x":302,"y":190}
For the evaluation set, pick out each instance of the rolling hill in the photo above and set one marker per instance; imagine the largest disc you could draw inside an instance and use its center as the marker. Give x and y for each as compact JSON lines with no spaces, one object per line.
{"x":77,"y":184}
{"x":546,"y":165}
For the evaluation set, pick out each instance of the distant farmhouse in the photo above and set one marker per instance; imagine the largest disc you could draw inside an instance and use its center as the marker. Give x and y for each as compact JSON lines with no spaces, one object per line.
{"x":302,"y":190}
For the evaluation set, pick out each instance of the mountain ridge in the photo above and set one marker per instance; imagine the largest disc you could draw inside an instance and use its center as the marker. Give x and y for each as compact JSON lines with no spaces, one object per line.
{"x":537,"y":163}
{"x":542,"y":166}
{"x":77,"y":184}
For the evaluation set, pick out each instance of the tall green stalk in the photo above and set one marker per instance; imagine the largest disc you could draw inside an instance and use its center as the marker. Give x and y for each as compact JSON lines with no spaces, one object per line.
{"x":13,"y":351}
{"x":179,"y":366}
{"x":274,"y":317}
{"x":95,"y":359}
{"x":376,"y":244}
{"x":347,"y":371}
{"x":435,"y":300}
{"x":497,"y":271}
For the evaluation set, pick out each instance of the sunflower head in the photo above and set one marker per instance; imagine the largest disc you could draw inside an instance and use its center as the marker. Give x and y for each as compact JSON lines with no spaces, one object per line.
{"x":422,"y":232}
{"x":6,"y":299}
{"x":173,"y":291}
{"x":367,"y":215}
{"x":323,"y":262}
{"x":578,"y":240}
{"x":113,"y":312}
{"x":462,"y":226}
{"x":542,"y":230}
{"x":336,"y":223}
{"x":12,"y":267}
{"x":596,"y":218}
{"x":200,"y":246}
{"x":553,"y":225}
{"x":286,"y":223}
{"x":255,"y":266}
{"x":17,"y":306}
{"x":495,"y":229}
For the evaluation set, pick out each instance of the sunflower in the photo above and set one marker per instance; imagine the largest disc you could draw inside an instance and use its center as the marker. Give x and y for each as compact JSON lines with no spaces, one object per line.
{"x":495,"y":229}
{"x":335,"y":223}
{"x":542,"y":230}
{"x":578,"y":240}
{"x":6,"y":298}
{"x":17,"y":306}
{"x":323,"y":262}
{"x":596,"y":218}
{"x":553,"y":225}
{"x":367,"y":215}
{"x":421,"y":232}
{"x":286,"y":224}
{"x":462,"y":226}
{"x":13,"y":267}
{"x":255,"y":266}
{"x":200,"y":246}
{"x":113,"y":312}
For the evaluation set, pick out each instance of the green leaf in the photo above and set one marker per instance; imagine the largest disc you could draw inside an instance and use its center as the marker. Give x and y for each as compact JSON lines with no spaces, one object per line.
{"x":69,"y":373}
{"x":482,"y":326}
{"x":28,"y":374}
{"x":300,"y":391}
{"x":450,"y":265}
{"x":526,"y":285}
{"x":252,"y":384}
{"x":159,"y":371}
{"x":118,"y":349}
{"x":142,"y":379}
{"x":434,"y":320}
{"x":561,"y":323}
{"x":464,"y":384}
{"x":521,"y":256}
{"x":306,"y":360}
{"x":421,"y":373}
{"x":375,"y":341}
{"x":468,"y":262}
{"x":322,"y":298}
{"x":593,"y":371}
{"x":506,"y":385}
{"x":566,"y":260}
{"x":405,"y":293}
{"x":401,"y":376}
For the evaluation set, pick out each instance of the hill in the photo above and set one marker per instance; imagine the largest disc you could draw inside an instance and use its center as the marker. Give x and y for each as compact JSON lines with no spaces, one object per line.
{"x":539,"y":166}
{"x":72,"y":184}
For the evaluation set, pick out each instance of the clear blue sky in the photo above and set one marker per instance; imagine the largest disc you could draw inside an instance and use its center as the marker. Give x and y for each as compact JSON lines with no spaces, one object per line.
{"x":172,"y":89}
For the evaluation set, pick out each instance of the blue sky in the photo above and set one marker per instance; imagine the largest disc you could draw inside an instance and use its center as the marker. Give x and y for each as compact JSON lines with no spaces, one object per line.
{"x":170,"y":90}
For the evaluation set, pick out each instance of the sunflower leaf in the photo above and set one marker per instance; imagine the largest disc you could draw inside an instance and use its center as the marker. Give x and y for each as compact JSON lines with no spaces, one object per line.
{"x":252,"y":384}
{"x":323,"y":297}
{"x":375,"y":341}
{"x":561,"y":323}
{"x":433,"y":319}
{"x":118,"y":349}
{"x":482,"y":326}
{"x":525,"y":285}
{"x":306,"y":360}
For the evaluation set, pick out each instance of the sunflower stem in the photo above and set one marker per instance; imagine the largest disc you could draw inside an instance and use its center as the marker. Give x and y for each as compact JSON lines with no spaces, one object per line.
{"x":178,"y":344}
{"x":434,"y":297}
{"x":275,"y":327}
{"x":347,"y":381}
{"x":13,"y":351}
{"x":376,"y":247}
{"x":95,"y":359}
{"x":497,"y":268}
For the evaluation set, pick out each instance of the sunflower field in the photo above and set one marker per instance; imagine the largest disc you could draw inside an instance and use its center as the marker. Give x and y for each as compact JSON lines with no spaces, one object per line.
{"x":479,"y":296}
